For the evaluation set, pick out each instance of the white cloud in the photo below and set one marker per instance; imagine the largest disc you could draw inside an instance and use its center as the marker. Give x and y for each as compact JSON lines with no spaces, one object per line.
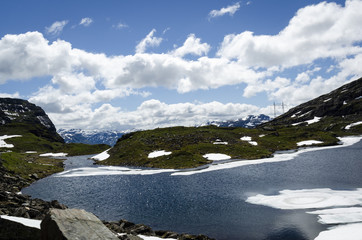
{"x":325,"y":30}
{"x":148,"y":41}
{"x":193,"y":46}
{"x":10,"y":95}
{"x":231,"y":10}
{"x":57,"y":27}
{"x":151,"y":114}
{"x":86,"y":21}
{"x":120,"y":25}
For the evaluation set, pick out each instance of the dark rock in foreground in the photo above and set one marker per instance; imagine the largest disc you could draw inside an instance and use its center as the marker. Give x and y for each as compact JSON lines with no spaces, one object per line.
{"x":73,"y":224}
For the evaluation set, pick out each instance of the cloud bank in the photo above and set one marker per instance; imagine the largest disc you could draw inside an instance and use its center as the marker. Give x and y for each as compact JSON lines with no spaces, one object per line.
{"x":84,"y":83}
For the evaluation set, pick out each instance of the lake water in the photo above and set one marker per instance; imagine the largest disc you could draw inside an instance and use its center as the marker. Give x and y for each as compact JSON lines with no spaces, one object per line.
{"x":211,"y":203}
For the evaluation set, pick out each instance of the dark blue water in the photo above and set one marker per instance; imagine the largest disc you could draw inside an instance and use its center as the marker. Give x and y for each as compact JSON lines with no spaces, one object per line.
{"x":211,"y":203}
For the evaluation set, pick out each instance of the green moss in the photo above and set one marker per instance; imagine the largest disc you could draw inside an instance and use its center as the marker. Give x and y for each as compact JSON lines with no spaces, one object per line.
{"x":27,"y":164}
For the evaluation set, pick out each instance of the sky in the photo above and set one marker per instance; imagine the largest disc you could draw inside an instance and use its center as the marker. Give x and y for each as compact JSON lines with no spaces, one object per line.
{"x":141,"y":64}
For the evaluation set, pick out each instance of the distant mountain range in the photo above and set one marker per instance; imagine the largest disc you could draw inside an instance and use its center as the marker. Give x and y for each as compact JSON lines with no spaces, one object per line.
{"x":250,"y":121}
{"x":90,"y":136}
{"x":111,"y":137}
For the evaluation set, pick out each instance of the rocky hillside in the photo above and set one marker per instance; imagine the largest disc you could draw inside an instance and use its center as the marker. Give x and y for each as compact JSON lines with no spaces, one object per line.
{"x":18,"y":115}
{"x":344,"y":102}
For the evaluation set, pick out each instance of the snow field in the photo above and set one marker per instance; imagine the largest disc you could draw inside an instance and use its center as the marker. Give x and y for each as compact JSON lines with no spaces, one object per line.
{"x":102,"y":156}
{"x":3,"y":144}
{"x":308,"y":142}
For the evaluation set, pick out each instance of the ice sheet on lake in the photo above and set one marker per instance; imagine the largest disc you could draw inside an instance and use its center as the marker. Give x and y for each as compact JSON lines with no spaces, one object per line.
{"x":348,"y":231}
{"x":99,"y":171}
{"x":309,"y":198}
{"x":340,"y":204}
{"x":25,"y":221}
{"x":102,"y":156}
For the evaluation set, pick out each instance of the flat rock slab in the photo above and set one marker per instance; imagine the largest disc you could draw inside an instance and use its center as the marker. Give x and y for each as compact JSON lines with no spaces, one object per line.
{"x":74,"y":224}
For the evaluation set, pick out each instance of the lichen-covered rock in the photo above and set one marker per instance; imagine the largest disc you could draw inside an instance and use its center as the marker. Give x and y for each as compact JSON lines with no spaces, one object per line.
{"x":74,"y":224}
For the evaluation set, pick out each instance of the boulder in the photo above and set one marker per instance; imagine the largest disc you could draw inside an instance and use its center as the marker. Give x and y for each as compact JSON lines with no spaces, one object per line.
{"x":17,"y":231}
{"x":73,"y":224}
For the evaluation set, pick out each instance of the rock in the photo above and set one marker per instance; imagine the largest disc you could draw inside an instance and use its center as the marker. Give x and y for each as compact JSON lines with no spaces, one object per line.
{"x":73,"y":224}
{"x":17,"y":231}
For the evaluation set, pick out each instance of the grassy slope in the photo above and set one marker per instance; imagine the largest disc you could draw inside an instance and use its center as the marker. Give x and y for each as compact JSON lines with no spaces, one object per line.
{"x":188,"y":144}
{"x":24,"y":164}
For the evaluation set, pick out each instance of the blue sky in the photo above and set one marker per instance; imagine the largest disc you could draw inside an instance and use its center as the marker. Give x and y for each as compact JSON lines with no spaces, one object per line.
{"x":144,"y":64}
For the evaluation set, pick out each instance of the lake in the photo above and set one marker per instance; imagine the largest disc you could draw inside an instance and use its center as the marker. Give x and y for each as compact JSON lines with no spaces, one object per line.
{"x":234,"y":201}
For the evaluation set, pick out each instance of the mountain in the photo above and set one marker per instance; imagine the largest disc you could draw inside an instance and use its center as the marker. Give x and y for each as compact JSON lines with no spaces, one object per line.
{"x":318,"y":122}
{"x":343,"y":103}
{"x":90,"y":136}
{"x":250,"y":121}
{"x":17,"y":115}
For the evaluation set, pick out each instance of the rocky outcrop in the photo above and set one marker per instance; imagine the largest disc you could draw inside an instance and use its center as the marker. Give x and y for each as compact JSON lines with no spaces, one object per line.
{"x":17,"y":231}
{"x":18,"y":113}
{"x":345,"y":102}
{"x":73,"y":224}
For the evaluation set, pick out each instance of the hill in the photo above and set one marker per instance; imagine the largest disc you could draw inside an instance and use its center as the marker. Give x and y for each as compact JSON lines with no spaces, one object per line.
{"x":26,"y":133}
{"x":319,"y":122}
{"x":90,"y":136}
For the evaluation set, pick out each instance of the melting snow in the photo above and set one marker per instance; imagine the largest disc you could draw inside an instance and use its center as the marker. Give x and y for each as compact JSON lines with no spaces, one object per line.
{"x":308,"y":142}
{"x":314,"y":120}
{"x":158,"y":154}
{"x":3,"y":144}
{"x":216,"y":156}
{"x":102,"y":156}
{"x":352,"y":125}
{"x":25,"y":221}
{"x":248,"y":139}
{"x":53,"y":154}
{"x":346,"y":214}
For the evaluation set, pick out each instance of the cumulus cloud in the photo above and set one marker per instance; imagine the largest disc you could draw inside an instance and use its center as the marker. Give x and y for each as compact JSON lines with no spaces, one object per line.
{"x":86,"y":21}
{"x":10,"y":95}
{"x":325,"y":30}
{"x":192,"y":46}
{"x":81,"y":81}
{"x":57,"y":27}
{"x":148,"y":41}
{"x":231,"y":10}
{"x":151,"y":114}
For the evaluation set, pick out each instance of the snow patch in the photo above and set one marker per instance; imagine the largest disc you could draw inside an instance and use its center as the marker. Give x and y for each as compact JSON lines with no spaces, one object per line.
{"x":314,"y":120}
{"x":102,"y":156}
{"x":308,"y":142}
{"x":220,"y":142}
{"x":248,"y":139}
{"x":158,"y":154}
{"x":327,"y":100}
{"x":31,"y":152}
{"x":216,"y":156}
{"x":25,"y":221}
{"x":53,"y":155}
{"x":3,"y":144}
{"x":352,"y":125}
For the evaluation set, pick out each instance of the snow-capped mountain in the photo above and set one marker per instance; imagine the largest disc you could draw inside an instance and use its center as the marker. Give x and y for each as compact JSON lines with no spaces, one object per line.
{"x":90,"y":136}
{"x":250,"y":121}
